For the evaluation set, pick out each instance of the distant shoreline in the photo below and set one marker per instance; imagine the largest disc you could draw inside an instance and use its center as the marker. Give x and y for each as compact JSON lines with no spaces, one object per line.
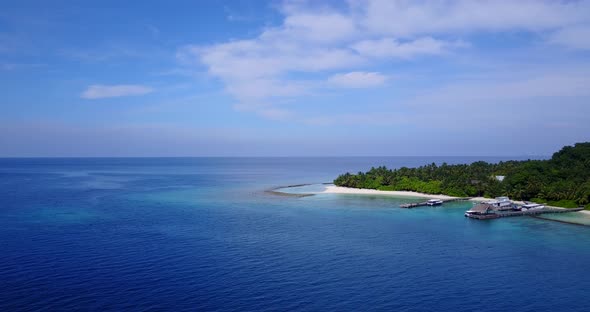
{"x":333,"y":189}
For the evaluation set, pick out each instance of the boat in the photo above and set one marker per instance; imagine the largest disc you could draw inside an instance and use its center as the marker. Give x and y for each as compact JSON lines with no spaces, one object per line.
{"x":434,"y":202}
{"x":531,"y":206}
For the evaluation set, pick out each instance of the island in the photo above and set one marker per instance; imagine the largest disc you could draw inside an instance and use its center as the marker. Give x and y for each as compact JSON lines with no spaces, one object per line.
{"x":561,"y":181}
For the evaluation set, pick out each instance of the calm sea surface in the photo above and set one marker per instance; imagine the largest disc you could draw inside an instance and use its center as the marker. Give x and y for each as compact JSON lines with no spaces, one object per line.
{"x":201,"y":234}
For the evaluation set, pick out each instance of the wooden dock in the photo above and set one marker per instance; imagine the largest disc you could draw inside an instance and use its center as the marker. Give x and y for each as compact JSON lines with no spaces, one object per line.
{"x":422,"y":204}
{"x":523,"y":213}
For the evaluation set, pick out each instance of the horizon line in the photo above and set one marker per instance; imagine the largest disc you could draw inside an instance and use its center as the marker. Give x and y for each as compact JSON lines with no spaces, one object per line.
{"x":266,"y":156}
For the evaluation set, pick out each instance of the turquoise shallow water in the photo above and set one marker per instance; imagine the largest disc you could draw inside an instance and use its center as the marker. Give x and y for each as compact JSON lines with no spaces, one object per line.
{"x":581,"y":218}
{"x":202,"y":234}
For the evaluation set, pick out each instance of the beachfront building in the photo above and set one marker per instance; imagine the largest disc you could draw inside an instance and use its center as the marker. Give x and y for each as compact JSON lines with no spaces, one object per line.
{"x":500,"y":203}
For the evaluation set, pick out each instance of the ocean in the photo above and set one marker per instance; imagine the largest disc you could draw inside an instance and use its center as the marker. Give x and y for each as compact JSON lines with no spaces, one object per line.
{"x":201,"y":234}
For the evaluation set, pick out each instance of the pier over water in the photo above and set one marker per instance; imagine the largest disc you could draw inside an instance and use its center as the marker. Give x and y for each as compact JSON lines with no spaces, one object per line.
{"x":425,"y":203}
{"x":521,"y":213}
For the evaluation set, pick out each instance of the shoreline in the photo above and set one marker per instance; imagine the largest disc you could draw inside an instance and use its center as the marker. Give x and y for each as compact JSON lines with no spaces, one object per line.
{"x":333,"y":189}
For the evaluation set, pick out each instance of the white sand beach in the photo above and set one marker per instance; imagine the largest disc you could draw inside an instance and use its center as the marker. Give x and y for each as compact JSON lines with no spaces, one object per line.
{"x":333,"y":189}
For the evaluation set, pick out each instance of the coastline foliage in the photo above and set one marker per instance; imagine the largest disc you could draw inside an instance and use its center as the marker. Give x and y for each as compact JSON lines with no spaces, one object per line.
{"x":563,"y":180}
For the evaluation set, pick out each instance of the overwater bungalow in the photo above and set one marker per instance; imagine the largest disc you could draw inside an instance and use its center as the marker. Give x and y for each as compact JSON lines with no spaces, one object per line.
{"x":482,"y":210}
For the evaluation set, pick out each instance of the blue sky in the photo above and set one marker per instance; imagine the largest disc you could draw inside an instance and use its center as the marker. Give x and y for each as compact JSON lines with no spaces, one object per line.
{"x":293,"y":78}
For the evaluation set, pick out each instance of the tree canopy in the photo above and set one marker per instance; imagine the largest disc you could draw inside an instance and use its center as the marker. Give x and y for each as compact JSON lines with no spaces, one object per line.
{"x":563,"y":180}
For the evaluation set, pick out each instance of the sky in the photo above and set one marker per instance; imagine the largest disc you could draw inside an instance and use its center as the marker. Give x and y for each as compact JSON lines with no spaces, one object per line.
{"x":293,"y":78}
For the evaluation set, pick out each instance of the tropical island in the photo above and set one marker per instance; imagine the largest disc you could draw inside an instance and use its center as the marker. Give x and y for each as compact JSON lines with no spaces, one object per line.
{"x":562,"y":181}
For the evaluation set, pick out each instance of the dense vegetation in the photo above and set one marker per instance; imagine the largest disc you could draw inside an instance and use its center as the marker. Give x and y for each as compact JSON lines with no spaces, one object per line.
{"x":563,"y":180}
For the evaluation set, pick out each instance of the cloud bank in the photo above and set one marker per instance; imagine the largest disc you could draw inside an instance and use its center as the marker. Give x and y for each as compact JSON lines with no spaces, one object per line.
{"x":322,"y":47}
{"x":94,"y":92}
{"x":358,"y":79}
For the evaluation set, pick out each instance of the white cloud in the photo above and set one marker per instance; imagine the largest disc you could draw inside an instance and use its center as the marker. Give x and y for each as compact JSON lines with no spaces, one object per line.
{"x":374,"y":119}
{"x":358,"y":79}
{"x":577,"y":37}
{"x":410,"y":18}
{"x":264,"y":58}
{"x":301,"y":54}
{"x":528,"y":99}
{"x":260,"y":89}
{"x":109,"y":91}
{"x":389,"y":47}
{"x":275,"y":113}
{"x":254,"y":71}
{"x":318,"y":27}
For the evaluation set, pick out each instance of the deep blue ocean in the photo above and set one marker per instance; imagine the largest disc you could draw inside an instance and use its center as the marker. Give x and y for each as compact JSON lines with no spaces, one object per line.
{"x":201,"y":234}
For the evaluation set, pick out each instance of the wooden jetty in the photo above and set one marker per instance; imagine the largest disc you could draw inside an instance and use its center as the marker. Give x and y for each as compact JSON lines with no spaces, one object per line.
{"x":521,"y":213}
{"x":422,"y":204}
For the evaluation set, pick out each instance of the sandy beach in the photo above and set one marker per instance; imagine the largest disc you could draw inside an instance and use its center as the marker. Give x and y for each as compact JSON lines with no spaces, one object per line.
{"x":333,"y":189}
